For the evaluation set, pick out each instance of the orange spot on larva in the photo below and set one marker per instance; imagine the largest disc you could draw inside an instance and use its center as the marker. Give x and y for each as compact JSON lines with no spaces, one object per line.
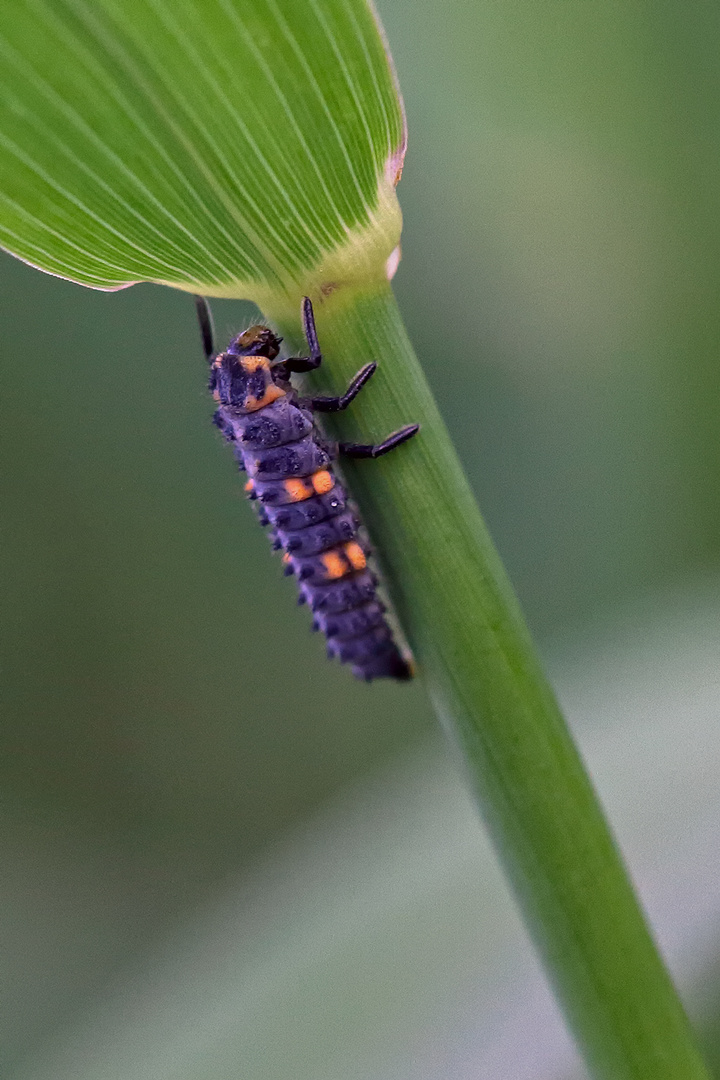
{"x":335,"y":565}
{"x":356,"y":555}
{"x":272,"y":393}
{"x":298,"y":490}
{"x":322,"y":481}
{"x":249,"y":486}
{"x":286,"y":558}
{"x":252,"y":363}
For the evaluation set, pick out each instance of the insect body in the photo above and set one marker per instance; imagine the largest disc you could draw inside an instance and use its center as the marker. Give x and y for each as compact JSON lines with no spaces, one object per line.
{"x":289,"y":467}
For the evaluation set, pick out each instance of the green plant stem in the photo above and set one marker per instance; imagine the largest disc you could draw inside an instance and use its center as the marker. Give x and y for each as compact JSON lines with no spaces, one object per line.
{"x":476,"y":657}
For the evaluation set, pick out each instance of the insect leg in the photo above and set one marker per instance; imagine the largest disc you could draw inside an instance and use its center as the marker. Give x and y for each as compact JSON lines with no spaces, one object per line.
{"x":206,"y":325}
{"x":297,"y":364}
{"x":336,"y":404}
{"x":362,"y":450}
{"x":310,"y":331}
{"x":301,"y":364}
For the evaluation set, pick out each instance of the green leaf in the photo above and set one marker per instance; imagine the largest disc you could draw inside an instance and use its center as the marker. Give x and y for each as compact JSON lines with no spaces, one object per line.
{"x":250,"y":148}
{"x":227,"y":148}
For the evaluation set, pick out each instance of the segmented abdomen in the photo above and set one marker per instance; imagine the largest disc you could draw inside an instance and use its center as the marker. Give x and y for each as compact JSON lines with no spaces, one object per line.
{"x":291,"y":475}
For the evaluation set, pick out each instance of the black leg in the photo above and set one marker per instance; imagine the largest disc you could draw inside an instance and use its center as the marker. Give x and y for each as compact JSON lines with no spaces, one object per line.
{"x":336,"y":404}
{"x":310,"y":331}
{"x":298,"y":364}
{"x":206,"y":325}
{"x":361,"y":450}
{"x":301,"y":364}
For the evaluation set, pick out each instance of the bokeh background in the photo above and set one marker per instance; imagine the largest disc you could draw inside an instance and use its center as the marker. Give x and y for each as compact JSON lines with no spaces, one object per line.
{"x":221,"y":856}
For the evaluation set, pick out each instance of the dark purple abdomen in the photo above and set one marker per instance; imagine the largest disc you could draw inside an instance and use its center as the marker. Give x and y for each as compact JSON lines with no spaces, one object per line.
{"x":290,"y":474}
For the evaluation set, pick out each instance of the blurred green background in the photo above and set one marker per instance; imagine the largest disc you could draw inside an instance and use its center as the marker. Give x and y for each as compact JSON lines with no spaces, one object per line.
{"x":166,"y":713}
